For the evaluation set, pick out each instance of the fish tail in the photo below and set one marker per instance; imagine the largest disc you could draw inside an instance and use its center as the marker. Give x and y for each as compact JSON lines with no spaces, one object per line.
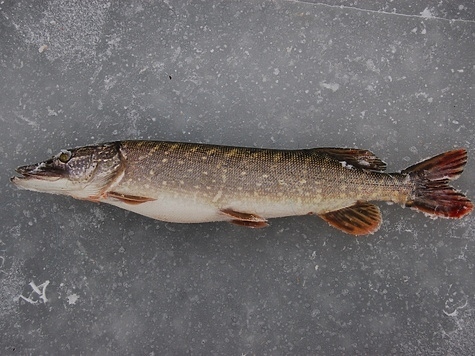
{"x":432,"y":194}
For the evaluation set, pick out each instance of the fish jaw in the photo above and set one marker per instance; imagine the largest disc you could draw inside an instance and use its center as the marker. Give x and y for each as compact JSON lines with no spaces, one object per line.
{"x":52,"y":184}
{"x":42,"y":177}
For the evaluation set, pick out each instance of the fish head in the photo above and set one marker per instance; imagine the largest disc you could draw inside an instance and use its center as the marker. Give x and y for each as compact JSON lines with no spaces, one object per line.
{"x":82,"y":172}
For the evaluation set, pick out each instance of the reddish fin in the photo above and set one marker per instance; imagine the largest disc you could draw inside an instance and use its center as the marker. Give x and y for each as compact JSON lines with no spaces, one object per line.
{"x":250,"y":224}
{"x":433,"y":195}
{"x":129,"y":199}
{"x":361,"y":218}
{"x":356,"y":157}
{"x":245,"y":219}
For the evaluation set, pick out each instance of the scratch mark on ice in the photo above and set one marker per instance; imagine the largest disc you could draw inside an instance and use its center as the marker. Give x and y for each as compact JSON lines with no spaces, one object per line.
{"x":36,"y":289}
{"x":424,"y":14}
{"x":456,"y":310}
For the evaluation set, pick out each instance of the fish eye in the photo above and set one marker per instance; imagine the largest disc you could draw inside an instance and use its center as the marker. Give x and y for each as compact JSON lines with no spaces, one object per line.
{"x":64,"y":156}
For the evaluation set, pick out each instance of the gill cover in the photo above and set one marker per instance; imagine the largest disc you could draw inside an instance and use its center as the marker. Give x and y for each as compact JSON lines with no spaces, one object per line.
{"x":83,"y":172}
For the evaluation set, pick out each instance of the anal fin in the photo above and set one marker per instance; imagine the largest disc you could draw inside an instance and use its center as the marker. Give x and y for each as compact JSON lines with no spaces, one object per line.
{"x":361,"y":218}
{"x":129,"y":199}
{"x":245,"y":219}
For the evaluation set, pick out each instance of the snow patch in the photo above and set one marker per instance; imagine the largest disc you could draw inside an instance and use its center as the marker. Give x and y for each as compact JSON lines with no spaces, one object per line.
{"x":344,"y":164}
{"x":72,"y":299}
{"x":427,"y":13}
{"x":332,"y":86}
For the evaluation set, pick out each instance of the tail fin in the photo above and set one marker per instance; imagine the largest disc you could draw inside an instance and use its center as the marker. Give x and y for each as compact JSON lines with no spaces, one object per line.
{"x":433,"y":194}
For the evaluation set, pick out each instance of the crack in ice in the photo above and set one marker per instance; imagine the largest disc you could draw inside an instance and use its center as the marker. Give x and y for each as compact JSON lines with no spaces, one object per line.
{"x":424,"y":17}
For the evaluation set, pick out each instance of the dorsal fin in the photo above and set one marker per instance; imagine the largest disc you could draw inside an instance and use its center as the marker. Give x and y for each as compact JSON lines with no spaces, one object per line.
{"x":356,"y":157}
{"x":361,"y":218}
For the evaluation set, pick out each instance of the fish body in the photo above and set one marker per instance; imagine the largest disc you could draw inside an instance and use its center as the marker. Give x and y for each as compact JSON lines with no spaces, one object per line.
{"x":193,"y":183}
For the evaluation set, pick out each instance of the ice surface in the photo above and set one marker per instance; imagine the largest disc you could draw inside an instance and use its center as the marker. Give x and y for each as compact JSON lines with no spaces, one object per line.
{"x":394,"y":77}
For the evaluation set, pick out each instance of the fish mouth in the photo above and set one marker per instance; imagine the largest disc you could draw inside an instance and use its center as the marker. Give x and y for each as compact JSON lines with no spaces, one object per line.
{"x":38,"y":171}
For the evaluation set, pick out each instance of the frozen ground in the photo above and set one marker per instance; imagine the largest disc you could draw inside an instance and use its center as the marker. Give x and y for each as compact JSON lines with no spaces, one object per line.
{"x":396,"y":78}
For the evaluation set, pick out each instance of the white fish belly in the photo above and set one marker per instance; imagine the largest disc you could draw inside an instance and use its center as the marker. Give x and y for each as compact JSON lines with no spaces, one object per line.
{"x":173,"y":210}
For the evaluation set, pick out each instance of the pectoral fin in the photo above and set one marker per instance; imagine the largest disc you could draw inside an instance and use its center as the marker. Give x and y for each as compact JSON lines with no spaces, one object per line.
{"x":359,"y":219}
{"x":245,"y":219}
{"x":129,"y":199}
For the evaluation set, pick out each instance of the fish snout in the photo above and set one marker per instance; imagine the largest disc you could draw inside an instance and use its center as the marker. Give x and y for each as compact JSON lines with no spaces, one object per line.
{"x":41,"y":170}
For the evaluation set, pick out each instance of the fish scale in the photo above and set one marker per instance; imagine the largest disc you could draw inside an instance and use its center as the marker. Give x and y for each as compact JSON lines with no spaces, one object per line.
{"x":242,"y":169}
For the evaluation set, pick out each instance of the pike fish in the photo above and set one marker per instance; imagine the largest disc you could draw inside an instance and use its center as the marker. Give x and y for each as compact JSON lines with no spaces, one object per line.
{"x":194,"y":183}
